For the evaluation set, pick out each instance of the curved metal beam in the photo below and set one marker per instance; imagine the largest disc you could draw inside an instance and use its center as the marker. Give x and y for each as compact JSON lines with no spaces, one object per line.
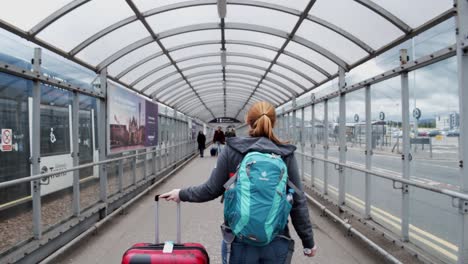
{"x":56,"y":16}
{"x":218,"y":105}
{"x":238,"y":26}
{"x":250,"y":56}
{"x":144,"y":76}
{"x":214,"y":42}
{"x":230,"y":88}
{"x":124,"y":51}
{"x":261,"y":29}
{"x":280,"y":84}
{"x":214,"y":100}
{"x":245,"y":85}
{"x":234,"y":101}
{"x":247,"y":65}
{"x":386,"y":15}
{"x":187,"y":4}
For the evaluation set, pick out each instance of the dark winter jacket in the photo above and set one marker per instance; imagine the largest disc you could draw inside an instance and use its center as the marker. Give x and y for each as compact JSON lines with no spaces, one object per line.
{"x":228,"y":160}
{"x":219,"y":137}
{"x":201,"y":139}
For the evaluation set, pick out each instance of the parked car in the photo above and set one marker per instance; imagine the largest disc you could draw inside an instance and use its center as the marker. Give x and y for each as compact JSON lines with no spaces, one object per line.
{"x":422,"y":134}
{"x":453,"y":133}
{"x":434,"y":133}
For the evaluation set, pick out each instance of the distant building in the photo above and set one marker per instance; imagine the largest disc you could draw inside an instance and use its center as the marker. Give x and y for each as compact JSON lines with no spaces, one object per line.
{"x":448,"y":121}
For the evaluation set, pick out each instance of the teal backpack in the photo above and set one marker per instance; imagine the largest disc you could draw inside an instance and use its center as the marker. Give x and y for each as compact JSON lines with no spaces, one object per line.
{"x":257,"y":202}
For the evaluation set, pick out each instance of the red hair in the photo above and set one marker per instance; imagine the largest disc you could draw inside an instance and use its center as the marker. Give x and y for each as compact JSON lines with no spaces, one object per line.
{"x":261,"y":118}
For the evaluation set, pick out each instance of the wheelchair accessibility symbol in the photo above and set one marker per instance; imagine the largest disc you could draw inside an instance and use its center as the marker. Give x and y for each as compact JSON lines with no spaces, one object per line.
{"x":52,"y":136}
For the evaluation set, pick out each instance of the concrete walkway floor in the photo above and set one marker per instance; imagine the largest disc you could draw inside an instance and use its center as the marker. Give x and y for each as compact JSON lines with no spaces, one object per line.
{"x":200,"y":223}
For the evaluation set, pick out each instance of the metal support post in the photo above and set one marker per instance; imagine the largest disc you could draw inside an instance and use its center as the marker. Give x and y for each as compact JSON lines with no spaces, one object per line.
{"x":342,"y":137}
{"x":368,"y":152}
{"x":302,"y":140}
{"x":36,"y":147}
{"x":145,"y":163}
{"x":406,"y":156}
{"x":462,"y":60}
{"x":293,"y":123}
{"x":76,"y":153}
{"x":102,"y":132}
{"x":312,"y":141}
{"x":120,"y":175}
{"x":154,"y":161}
{"x":134,"y":168}
{"x":325,"y":147}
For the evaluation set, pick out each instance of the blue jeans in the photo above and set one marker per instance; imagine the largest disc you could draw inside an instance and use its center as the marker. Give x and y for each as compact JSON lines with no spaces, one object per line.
{"x":218,"y":146}
{"x":274,"y":253}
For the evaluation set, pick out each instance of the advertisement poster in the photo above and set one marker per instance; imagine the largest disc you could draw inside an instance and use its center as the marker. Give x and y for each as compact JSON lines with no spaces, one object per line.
{"x":133,"y":121}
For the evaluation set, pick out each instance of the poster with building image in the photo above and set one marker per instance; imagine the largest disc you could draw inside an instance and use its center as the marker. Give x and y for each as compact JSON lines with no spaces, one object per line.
{"x":132,"y":120}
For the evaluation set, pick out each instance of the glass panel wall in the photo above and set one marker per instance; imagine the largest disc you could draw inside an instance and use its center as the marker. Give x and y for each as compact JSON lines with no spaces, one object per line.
{"x":386,"y":146}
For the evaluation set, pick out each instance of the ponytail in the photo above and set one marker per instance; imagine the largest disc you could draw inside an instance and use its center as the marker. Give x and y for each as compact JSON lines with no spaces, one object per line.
{"x":261,"y":118}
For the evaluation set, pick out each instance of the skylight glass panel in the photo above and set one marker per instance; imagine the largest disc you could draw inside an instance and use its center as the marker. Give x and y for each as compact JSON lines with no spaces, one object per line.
{"x":162,"y":83}
{"x":25,"y":14}
{"x":285,"y":82}
{"x":194,"y":51}
{"x":268,"y":54}
{"x":295,"y":4}
{"x":416,"y":12}
{"x":262,"y":38}
{"x":191,"y":37}
{"x":188,"y":63}
{"x":243,"y":68}
{"x":304,"y":82}
{"x":183,"y":17}
{"x":142,"y":84}
{"x":145,"y":5}
{"x":203,"y":69}
{"x":83,"y":22}
{"x":238,"y":59}
{"x":312,"y":56}
{"x":360,"y":21}
{"x":132,"y":58}
{"x":302,"y":67}
{"x":144,"y":68}
{"x":270,"y":85}
{"x":113,"y":42}
{"x":260,"y":16}
{"x":331,"y":41}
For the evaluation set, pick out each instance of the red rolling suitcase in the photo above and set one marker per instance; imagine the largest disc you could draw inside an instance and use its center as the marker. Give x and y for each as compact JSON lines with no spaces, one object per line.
{"x":147,"y":253}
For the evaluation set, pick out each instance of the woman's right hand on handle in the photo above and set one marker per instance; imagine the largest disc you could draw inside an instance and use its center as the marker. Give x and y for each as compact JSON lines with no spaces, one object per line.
{"x":171,"y":196}
{"x":312,"y":253}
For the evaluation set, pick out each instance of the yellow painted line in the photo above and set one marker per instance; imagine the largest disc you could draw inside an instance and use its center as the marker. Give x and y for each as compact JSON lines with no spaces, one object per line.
{"x":381,"y":213}
{"x":15,"y":201}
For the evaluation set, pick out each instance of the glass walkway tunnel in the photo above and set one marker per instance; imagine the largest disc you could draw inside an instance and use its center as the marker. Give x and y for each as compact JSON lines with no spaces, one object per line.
{"x":102,"y":99}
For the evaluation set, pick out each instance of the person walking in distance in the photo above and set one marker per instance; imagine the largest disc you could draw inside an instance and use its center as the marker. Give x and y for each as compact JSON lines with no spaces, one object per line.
{"x":260,"y":180}
{"x":219,"y":139}
{"x":201,"y":139}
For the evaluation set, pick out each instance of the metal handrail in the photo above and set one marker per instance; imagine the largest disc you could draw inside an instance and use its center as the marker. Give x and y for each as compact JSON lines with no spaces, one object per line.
{"x":453,"y":194}
{"x":87,"y":165}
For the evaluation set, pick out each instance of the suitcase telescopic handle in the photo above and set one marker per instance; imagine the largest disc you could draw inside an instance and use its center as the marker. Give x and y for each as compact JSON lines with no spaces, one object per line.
{"x":156,"y":199}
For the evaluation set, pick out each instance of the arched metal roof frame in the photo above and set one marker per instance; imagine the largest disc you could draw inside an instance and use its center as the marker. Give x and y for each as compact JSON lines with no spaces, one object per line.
{"x":214,"y":42}
{"x":280,"y":84}
{"x":244,"y":65}
{"x":193,"y":105}
{"x":228,"y":54}
{"x":230,"y":84}
{"x":215,"y":89}
{"x":199,"y":110}
{"x":216,"y":76}
{"x":211,"y":26}
{"x":374,"y":7}
{"x":409,"y":32}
